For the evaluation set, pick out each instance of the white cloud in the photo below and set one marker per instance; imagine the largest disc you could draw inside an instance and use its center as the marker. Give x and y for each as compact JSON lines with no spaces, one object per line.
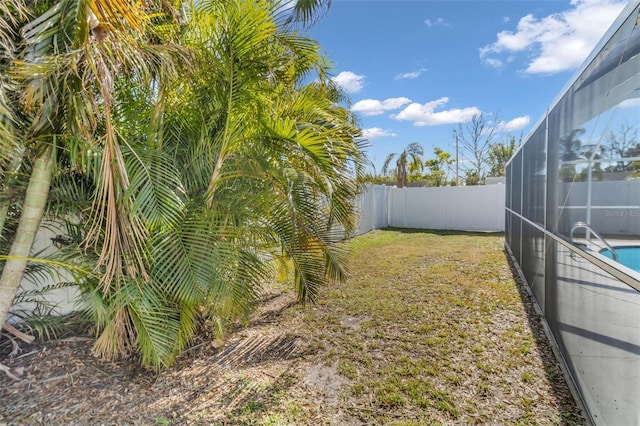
{"x":517,"y":123}
{"x":376,"y":107}
{"x":410,"y":75}
{"x":494,"y":63}
{"x":560,"y":41}
{"x":349,"y":82}
{"x":376,"y":132}
{"x":630,"y":103}
{"x":436,"y":22}
{"x":426,"y":114}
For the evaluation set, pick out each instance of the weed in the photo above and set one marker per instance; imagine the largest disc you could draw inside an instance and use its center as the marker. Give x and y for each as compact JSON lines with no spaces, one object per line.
{"x":253,"y":407}
{"x":487,"y":368}
{"x":357,"y":389}
{"x":295,"y":413}
{"x":347,"y":369}
{"x":453,"y":379}
{"x":391,"y":400}
{"x":527,"y":377}
{"x":273,"y":420}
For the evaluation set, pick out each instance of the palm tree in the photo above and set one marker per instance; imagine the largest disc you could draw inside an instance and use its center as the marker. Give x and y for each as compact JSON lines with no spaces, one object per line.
{"x":409,"y":159}
{"x":198,"y":177}
{"x":261,"y":166}
{"x":275,"y":158}
{"x":63,"y":83}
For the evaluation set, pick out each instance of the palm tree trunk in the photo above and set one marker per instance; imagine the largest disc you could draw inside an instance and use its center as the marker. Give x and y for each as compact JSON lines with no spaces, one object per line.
{"x":32,"y":213}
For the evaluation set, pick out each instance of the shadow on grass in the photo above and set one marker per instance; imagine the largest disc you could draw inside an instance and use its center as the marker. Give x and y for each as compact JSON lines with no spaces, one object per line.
{"x":444,"y":232}
{"x":572,"y":411}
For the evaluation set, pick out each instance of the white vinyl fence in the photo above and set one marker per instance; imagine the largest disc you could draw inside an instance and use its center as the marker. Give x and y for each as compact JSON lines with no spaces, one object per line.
{"x":477,"y":208}
{"x":612,"y":208}
{"x":460,"y":208}
{"x":373,"y":206}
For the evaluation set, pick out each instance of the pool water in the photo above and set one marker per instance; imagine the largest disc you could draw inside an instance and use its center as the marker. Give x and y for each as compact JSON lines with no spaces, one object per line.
{"x":629,"y":256}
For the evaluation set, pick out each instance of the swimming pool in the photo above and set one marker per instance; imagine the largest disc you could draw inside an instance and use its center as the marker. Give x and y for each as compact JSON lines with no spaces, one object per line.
{"x":629,"y":256}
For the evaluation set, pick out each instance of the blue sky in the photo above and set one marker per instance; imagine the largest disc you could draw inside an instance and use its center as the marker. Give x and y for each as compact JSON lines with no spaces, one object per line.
{"x":415,"y":69}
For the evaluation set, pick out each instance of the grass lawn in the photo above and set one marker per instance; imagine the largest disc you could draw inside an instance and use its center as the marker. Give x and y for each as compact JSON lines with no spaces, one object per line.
{"x":431,"y":328}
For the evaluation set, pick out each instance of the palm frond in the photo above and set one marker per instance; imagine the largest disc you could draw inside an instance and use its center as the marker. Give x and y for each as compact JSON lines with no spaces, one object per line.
{"x":309,"y":11}
{"x":387,"y":162}
{"x":155,"y":187}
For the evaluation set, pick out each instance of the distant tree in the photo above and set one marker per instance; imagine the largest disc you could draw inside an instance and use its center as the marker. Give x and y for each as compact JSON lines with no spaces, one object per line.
{"x":439,"y":168}
{"x":472,"y":178}
{"x":619,"y":145}
{"x":634,"y":166}
{"x":499,"y":155}
{"x":372,"y":176}
{"x":475,"y":138}
{"x":596,"y":171}
{"x":408,"y":160}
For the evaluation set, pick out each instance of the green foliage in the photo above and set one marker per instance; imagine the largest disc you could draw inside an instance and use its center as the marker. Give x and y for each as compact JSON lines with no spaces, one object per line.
{"x":162,"y":421}
{"x":186,"y":157}
{"x":409,"y":164}
{"x":471,"y":178}
{"x":36,"y":312}
{"x":499,"y":155}
{"x":439,"y":168}
{"x":47,"y":278}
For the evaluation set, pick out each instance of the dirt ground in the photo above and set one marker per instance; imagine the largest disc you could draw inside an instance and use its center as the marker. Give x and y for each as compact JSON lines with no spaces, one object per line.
{"x":64,"y":384}
{"x":280,"y":369}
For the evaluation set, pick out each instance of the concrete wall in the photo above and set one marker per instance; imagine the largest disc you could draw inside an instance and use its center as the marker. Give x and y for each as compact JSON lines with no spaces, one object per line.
{"x":62,"y":298}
